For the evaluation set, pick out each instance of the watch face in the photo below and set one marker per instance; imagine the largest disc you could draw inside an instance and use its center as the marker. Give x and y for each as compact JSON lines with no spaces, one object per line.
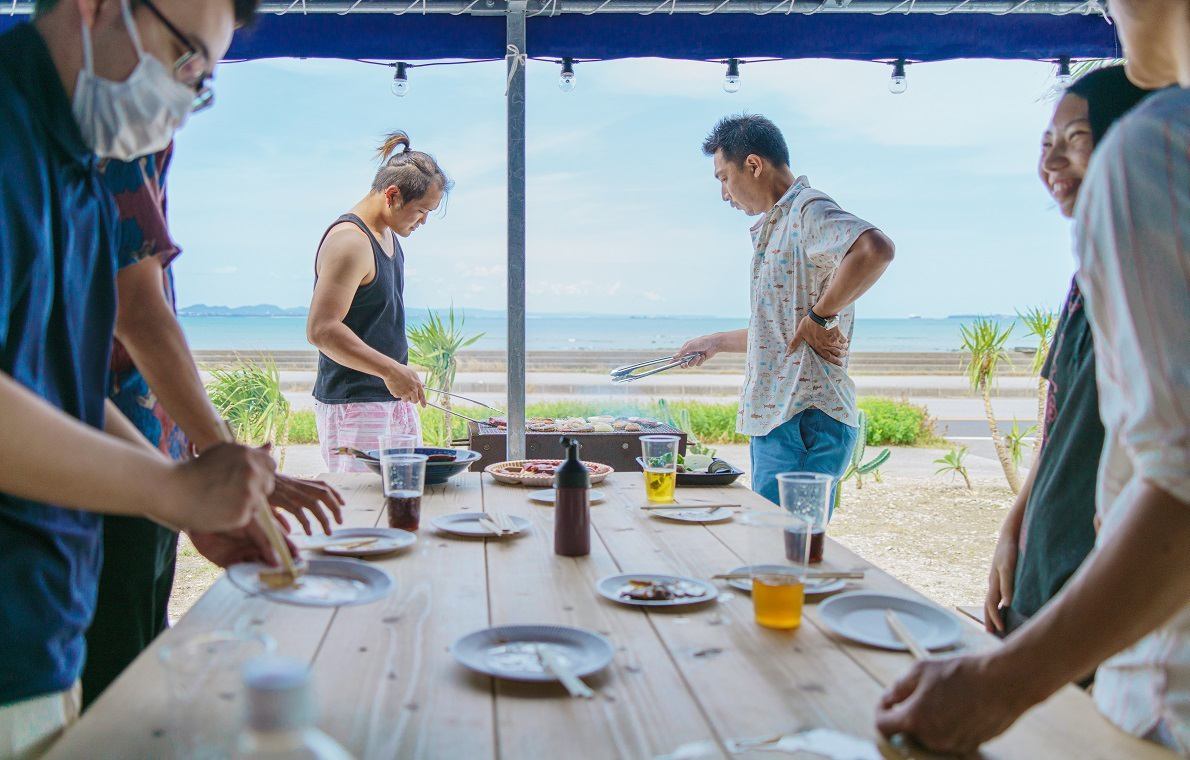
{"x":831,"y":323}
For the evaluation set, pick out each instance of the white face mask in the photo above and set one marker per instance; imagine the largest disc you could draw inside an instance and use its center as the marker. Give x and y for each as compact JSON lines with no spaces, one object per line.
{"x":133,"y":118}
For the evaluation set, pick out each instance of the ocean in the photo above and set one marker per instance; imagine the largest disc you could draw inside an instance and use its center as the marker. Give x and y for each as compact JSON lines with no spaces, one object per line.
{"x":593,"y":333}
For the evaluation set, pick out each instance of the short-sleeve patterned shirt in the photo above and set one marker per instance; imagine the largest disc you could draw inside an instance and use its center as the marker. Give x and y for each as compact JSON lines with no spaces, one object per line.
{"x":798,"y":246}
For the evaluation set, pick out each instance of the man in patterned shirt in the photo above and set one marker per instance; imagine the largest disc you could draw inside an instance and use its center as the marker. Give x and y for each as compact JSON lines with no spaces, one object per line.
{"x":811,"y":262}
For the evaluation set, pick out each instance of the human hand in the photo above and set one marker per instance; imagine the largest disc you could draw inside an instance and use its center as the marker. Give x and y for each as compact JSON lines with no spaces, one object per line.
{"x":951,"y":705}
{"x":296,"y":496}
{"x":405,"y":384}
{"x":218,"y":491}
{"x":247,"y":544}
{"x":705,"y":347}
{"x":1001,"y":583}
{"x":829,"y":344}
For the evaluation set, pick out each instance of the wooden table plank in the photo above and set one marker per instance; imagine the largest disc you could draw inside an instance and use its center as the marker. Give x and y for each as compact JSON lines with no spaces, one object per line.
{"x":388,"y":686}
{"x":643,"y":707}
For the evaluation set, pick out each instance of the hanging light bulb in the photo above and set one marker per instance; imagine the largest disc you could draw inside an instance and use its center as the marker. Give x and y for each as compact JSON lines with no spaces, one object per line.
{"x":731,"y":82}
{"x":1064,"y":77}
{"x":566,"y":80}
{"x":401,"y":80}
{"x":898,"y":84}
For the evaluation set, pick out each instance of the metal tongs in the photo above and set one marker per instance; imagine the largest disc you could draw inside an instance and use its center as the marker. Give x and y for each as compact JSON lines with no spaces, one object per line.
{"x":464,"y":398}
{"x":629,"y":373}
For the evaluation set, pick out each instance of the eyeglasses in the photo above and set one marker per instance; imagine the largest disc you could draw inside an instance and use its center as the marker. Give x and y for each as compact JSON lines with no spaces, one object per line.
{"x":192,"y":69}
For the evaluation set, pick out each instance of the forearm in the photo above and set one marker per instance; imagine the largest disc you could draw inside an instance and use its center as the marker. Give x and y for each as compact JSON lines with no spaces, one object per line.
{"x":860,"y":269}
{"x":117,"y":425}
{"x":732,"y":341}
{"x":339,"y":343}
{"x":1126,"y":588}
{"x":158,"y":347}
{"x":51,"y":457}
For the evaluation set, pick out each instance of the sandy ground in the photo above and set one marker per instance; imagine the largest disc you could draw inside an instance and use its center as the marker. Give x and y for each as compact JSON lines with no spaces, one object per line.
{"x":930,"y":532}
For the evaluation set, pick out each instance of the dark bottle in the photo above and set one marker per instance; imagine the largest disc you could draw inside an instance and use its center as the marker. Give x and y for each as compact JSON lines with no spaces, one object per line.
{"x":572,"y":505}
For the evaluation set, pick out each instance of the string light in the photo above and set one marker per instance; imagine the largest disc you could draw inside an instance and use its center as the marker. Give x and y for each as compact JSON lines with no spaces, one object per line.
{"x":566,"y":79}
{"x":898,"y":84}
{"x":401,"y":80}
{"x":1064,"y":77}
{"x":731,"y":82}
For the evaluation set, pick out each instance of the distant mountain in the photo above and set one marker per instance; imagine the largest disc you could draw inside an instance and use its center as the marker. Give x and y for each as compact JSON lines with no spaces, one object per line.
{"x":259,"y":310}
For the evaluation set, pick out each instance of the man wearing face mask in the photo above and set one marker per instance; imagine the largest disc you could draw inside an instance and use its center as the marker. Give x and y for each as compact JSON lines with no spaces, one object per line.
{"x":88,"y":78}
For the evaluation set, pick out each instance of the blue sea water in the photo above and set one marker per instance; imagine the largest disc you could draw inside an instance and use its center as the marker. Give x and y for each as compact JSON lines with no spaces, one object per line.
{"x":592,"y":333}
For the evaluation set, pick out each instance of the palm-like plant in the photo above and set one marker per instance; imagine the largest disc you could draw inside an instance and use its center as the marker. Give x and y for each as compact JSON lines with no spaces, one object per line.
{"x":984,"y":343}
{"x":952,"y":462}
{"x":1016,"y":441}
{"x":435,"y":346}
{"x":1041,"y":324}
{"x":248,"y":395}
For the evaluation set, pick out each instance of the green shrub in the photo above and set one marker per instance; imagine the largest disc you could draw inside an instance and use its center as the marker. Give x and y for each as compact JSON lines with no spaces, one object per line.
{"x":302,"y":428}
{"x":898,"y":423}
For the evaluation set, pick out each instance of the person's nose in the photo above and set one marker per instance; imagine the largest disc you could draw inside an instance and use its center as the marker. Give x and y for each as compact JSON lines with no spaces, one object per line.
{"x":1054,"y":159}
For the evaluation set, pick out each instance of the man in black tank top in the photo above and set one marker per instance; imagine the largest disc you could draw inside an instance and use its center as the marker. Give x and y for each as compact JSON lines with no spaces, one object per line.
{"x":364,"y":390}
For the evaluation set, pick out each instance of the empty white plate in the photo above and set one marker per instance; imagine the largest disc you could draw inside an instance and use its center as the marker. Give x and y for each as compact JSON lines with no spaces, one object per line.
{"x":814,"y":587}
{"x":511,"y":651}
{"x":467,"y":524}
{"x":327,"y":583}
{"x":611,"y":586}
{"x":693,"y":515}
{"x":547,"y":496}
{"x":388,"y":540}
{"x":859,"y":616}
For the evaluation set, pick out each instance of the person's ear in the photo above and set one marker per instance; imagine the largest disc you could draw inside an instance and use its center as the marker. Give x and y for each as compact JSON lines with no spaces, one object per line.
{"x":755,"y":165}
{"x":393,"y":196}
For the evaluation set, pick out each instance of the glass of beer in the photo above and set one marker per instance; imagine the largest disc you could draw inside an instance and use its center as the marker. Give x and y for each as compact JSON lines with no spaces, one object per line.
{"x":404,"y":482}
{"x":778,"y":589}
{"x":806,"y":495}
{"x":661,"y":467}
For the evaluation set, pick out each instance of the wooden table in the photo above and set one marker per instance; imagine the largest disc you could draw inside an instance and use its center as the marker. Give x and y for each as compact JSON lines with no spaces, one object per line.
{"x":388,"y":687}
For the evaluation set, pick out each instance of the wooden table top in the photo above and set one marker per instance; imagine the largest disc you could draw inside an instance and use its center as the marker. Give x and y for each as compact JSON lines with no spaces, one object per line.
{"x":388,"y":686}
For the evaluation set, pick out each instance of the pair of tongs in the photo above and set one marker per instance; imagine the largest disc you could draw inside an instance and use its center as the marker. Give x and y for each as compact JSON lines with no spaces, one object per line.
{"x":464,"y":398}
{"x":629,"y":373}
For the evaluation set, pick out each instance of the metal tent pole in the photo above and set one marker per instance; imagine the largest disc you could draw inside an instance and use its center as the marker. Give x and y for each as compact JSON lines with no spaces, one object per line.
{"x":515,"y":34}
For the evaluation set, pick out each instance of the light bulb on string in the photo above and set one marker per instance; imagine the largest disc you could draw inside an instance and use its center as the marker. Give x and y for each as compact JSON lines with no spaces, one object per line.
{"x":401,"y":80}
{"x":566,"y":81}
{"x":898,"y":84}
{"x":731,"y":82}
{"x":1064,"y":77}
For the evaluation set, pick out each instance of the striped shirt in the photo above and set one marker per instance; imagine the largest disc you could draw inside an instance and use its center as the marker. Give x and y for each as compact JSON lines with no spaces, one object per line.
{"x":1133,"y":245}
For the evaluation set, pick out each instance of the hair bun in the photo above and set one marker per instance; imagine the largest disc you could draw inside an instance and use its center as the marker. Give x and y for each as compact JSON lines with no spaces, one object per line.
{"x":393,"y":140}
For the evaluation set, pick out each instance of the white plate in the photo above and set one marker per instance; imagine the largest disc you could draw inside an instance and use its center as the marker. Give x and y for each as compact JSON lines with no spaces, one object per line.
{"x":814,"y":587}
{"x":859,"y":616}
{"x":327,"y":583}
{"x":508,"y":651}
{"x":388,"y":540}
{"x":609,"y":588}
{"x":547,"y":495}
{"x":693,"y":515}
{"x":467,"y":524}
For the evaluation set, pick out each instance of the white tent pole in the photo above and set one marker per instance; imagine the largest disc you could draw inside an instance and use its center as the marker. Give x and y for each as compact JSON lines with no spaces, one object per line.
{"x":515,"y":34}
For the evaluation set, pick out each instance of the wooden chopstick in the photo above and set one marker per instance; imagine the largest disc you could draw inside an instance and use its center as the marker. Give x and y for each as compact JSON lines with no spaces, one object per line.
{"x":265,"y":520}
{"x":712,"y":507}
{"x":898,"y":628}
{"x":818,"y":575}
{"x":573,"y":683}
{"x":348,"y":543}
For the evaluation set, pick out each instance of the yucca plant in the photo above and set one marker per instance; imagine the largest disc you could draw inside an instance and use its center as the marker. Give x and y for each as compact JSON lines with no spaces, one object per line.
{"x":984,"y":343}
{"x":952,"y":462}
{"x":857,"y":468}
{"x":248,"y":395}
{"x":1016,"y":441}
{"x":1041,"y":324}
{"x":682,"y":421}
{"x":434,"y":346}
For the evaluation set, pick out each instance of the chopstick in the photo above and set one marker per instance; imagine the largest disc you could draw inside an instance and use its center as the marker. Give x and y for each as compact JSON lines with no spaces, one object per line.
{"x":348,"y":543}
{"x":265,"y":520}
{"x":464,"y":398}
{"x":356,"y":453}
{"x":818,"y":575}
{"x":554,"y":664}
{"x":712,"y":507}
{"x":898,"y":628}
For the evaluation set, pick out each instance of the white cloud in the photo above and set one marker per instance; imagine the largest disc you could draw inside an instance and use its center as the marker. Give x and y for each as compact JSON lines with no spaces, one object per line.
{"x":651,"y":295}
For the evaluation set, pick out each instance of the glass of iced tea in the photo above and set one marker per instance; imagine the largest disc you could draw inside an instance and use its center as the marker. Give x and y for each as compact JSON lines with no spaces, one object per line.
{"x":661,"y":467}
{"x":404,"y":482}
{"x":806,"y":495}
{"x":398,"y":443}
{"x":778,"y":589}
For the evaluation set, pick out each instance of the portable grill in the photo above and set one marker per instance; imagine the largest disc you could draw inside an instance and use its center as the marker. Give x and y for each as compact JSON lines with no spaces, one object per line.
{"x":618,"y":449}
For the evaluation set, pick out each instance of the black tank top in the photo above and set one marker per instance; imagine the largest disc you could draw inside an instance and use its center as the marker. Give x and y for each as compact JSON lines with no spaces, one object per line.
{"x":377,"y":316}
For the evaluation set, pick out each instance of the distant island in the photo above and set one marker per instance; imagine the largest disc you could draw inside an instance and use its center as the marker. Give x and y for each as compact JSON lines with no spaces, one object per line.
{"x":259,"y":310}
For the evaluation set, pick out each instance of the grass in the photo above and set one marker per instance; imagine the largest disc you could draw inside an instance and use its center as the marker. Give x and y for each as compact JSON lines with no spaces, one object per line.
{"x":890,"y":422}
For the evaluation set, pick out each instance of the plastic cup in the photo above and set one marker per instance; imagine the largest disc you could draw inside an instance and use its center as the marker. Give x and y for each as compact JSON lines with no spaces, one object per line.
{"x":806,"y":495}
{"x":398,"y":443}
{"x":778,"y":588}
{"x":404,"y":482}
{"x":661,"y":467}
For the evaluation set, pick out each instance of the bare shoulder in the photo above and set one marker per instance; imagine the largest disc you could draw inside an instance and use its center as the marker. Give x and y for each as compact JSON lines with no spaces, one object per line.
{"x":345,"y":251}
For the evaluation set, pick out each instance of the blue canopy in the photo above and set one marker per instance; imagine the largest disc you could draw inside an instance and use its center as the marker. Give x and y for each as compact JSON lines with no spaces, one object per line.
{"x":920,"y":37}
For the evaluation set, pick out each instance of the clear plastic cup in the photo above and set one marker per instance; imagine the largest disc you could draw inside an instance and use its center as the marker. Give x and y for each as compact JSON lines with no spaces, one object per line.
{"x":778,"y":586}
{"x":397,"y":443}
{"x":404,"y":483}
{"x":661,"y":467}
{"x":807,"y":495}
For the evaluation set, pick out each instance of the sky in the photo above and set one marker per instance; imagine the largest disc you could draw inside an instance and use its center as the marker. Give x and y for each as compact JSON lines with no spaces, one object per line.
{"x":624,"y":214}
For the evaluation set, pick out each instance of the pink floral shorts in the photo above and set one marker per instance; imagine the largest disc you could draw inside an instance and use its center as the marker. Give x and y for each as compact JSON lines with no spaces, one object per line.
{"x":360,"y":426}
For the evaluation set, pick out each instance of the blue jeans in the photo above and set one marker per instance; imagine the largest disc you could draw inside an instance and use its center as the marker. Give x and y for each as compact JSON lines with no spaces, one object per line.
{"x":812,"y":441}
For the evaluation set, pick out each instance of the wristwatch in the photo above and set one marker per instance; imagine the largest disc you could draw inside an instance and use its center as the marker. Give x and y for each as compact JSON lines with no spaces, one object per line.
{"x":826,"y":323}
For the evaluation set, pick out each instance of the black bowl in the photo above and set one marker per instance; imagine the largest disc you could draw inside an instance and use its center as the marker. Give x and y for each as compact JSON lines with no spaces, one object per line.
{"x":437,"y":473}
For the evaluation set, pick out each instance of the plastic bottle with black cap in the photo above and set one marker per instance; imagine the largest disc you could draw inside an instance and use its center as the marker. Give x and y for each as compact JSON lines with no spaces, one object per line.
{"x":572,"y":504}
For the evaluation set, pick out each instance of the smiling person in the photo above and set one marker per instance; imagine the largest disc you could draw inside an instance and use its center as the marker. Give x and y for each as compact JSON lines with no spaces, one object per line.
{"x":364,"y":388}
{"x":1126,"y":610}
{"x":811,"y":262}
{"x":1050,"y":528}
{"x":87,"y":78}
